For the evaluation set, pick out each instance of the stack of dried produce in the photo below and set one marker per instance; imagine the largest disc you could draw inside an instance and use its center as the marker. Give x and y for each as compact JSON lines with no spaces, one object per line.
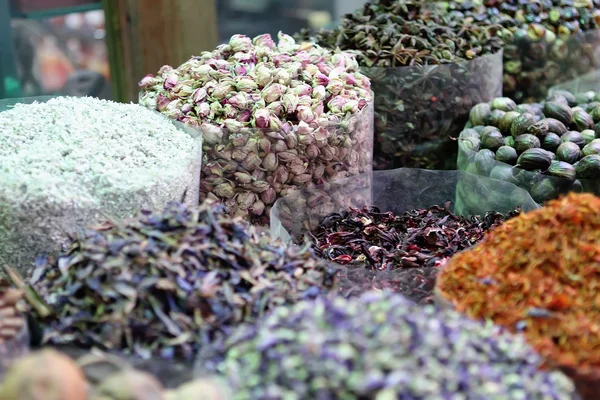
{"x":412,"y":245}
{"x":427,"y":69}
{"x":546,"y":148}
{"x":149,"y":285}
{"x":14,"y":339}
{"x":538,"y":274}
{"x":379,"y":346}
{"x":274,"y":116}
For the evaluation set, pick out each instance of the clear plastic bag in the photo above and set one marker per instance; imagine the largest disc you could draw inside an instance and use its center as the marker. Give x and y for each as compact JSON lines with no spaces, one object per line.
{"x":584,"y":83}
{"x":27,"y":232}
{"x":419,"y":109}
{"x":396,"y":191}
{"x":248,"y":169}
{"x":531,"y":67}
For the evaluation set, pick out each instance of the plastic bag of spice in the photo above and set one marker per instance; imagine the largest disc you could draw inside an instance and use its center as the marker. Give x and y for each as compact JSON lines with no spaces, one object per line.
{"x":398,"y":191}
{"x":420,"y":109}
{"x":69,"y":163}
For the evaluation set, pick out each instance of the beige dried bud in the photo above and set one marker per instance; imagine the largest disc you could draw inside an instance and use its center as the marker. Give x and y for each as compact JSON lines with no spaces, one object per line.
{"x":259,"y":175}
{"x":291,"y":140}
{"x":259,"y":186}
{"x":251,"y":162}
{"x":301,"y":179}
{"x":270,"y":162}
{"x":268,"y":196}
{"x":312,"y":151}
{"x":287,"y":156}
{"x":239,"y":154}
{"x":327,"y":153}
{"x":224,"y":190}
{"x":265,"y":145}
{"x":318,"y":171}
{"x":246,"y":199}
{"x":257,"y":208}
{"x":281,"y":174}
{"x":297,"y":168}
{"x":243,"y":177}
{"x":238,"y":140}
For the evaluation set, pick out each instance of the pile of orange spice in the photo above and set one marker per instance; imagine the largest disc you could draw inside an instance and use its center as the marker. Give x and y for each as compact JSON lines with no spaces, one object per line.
{"x":538,"y":274}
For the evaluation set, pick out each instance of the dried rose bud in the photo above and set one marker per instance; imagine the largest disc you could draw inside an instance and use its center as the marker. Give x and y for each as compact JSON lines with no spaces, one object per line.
{"x":312,"y":151}
{"x":201,"y":73}
{"x":275,"y":123}
{"x":324,"y":68}
{"x":273,"y":92}
{"x":203,"y":110}
{"x":281,"y":174}
{"x":239,"y":100}
{"x":165,"y":69}
{"x":147,"y":81}
{"x":305,"y":114}
{"x":302,"y":89}
{"x":263,"y":75}
{"x":265,"y":41}
{"x":270,"y":162}
{"x":243,"y":177}
{"x":233,"y":125}
{"x":199,"y":95}
{"x":257,"y":208}
{"x":335,"y":86}
{"x":222,"y":90}
{"x":262,"y":118}
{"x":268,"y":196}
{"x":265,"y":145}
{"x":162,"y":102}
{"x":240,"y":70}
{"x":245,"y":84}
{"x":321,"y":79}
{"x":246,"y":199}
{"x":336,"y":104}
{"x":171,"y":81}
{"x":211,"y":134}
{"x":290,"y":102}
{"x":301,"y":179}
{"x":224,"y":190}
{"x":350,"y":106}
{"x":240,"y":43}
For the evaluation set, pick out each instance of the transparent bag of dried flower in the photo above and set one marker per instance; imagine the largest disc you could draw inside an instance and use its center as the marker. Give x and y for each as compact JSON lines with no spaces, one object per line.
{"x":420,"y":109}
{"x":32,"y":224}
{"x":248,"y":169}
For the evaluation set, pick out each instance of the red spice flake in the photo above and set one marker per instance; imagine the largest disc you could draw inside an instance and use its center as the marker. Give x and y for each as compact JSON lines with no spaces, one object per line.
{"x":543,"y":276}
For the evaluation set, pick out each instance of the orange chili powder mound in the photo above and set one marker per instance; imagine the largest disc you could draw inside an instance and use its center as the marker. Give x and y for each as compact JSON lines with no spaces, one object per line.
{"x":538,"y":274}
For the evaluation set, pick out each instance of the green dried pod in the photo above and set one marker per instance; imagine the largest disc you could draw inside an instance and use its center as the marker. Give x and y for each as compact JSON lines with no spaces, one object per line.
{"x":588,"y":167}
{"x":532,"y":159}
{"x":582,"y":120}
{"x":585,"y":97}
{"x":588,"y":135}
{"x":566,"y":95}
{"x":539,"y":129}
{"x":495,"y":118}
{"x":562,"y":169}
{"x":568,"y":152}
{"x":509,"y":141}
{"x":544,"y":190}
{"x":507,"y":120}
{"x":575,"y":137}
{"x":556,"y":126}
{"x":551,"y":142}
{"x":484,"y":160}
{"x":504,"y":104}
{"x":479,"y":114}
{"x":521,"y":124}
{"x":595,"y":114}
{"x":592,"y":148}
{"x":525,"y":142}
{"x":470,"y":143}
{"x":491,"y":138}
{"x":507,"y":155}
{"x":469,"y":133}
{"x":559,"y":111}
{"x":503,"y":173}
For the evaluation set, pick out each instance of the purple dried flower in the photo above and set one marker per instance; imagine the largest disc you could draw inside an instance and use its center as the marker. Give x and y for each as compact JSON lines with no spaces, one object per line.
{"x":244,"y":116}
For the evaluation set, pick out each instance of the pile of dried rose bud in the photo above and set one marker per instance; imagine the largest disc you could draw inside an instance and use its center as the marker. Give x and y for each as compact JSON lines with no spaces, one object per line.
{"x":274,"y":116}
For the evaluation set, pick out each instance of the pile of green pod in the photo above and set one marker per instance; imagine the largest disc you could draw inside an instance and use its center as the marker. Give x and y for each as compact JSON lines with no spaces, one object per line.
{"x":547,"y":148}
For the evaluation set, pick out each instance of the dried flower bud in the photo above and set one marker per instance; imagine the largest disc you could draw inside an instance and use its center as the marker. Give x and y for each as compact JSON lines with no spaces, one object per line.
{"x":270,"y":162}
{"x":257,"y":208}
{"x":335,"y":86}
{"x":245,"y":84}
{"x":324,"y":68}
{"x":165,"y":69}
{"x":276,"y":108}
{"x":281,"y":174}
{"x":265,"y":145}
{"x":290,"y":102}
{"x":222,"y":90}
{"x":162,"y":102}
{"x":171,"y":81}
{"x":291,"y":140}
{"x":268,"y":196}
{"x":260,"y":186}
{"x":211,"y":134}
{"x":302,"y":179}
{"x":246,"y":199}
{"x":224,"y":190}
{"x":350,"y":106}
{"x":287,"y":156}
{"x":240,"y":43}
{"x":273,"y":92}
{"x":312,"y":151}
{"x":147,"y":81}
{"x":203,"y":110}
{"x":239,"y":100}
{"x":240,"y":70}
{"x":298,"y":168}
{"x":279,"y":146}
{"x":336,"y":104}
{"x":199,"y":95}
{"x":251,"y":162}
{"x":261,"y":118}
{"x":245,"y":116}
{"x":305,"y":114}
{"x":302,"y":90}
{"x":263,"y":75}
{"x":318,"y":171}
{"x":265,"y":41}
{"x":233,"y":125}
{"x":243,"y":177}
{"x":275,"y":123}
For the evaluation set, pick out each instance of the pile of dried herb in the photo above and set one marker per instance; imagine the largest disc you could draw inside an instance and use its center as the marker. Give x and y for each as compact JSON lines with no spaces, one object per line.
{"x":546,"y":148}
{"x":69,"y":162}
{"x":538,"y":274}
{"x":149,"y":285}
{"x":417,"y":242}
{"x":416,"y":54}
{"x":379,"y":346}
{"x":274,"y":116}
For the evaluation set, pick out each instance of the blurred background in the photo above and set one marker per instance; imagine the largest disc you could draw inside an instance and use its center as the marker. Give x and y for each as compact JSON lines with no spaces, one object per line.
{"x":102,"y":48}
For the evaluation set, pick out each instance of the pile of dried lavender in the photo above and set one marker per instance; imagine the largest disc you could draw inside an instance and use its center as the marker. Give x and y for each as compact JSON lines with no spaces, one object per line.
{"x":403,"y":251}
{"x":70,"y":162}
{"x":274,"y":116}
{"x":149,"y":285}
{"x":379,"y":346}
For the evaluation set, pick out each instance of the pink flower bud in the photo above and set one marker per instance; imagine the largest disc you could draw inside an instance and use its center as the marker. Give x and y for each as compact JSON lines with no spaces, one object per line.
{"x":171,"y":81}
{"x":335,"y":86}
{"x":245,"y":58}
{"x":324,"y":68}
{"x":305,"y":114}
{"x":222,"y":90}
{"x":199,"y":95}
{"x":303,"y":128}
{"x":257,"y":208}
{"x":186,"y":108}
{"x":268,"y":196}
{"x":146,"y":81}
{"x":311,"y":70}
{"x":162,"y":102}
{"x":165,"y":69}
{"x":336,"y":104}
{"x":262,"y":118}
{"x":233,"y":125}
{"x":245,"y":84}
{"x":318,"y":110}
{"x":290,"y":102}
{"x":201,"y":73}
{"x":211,"y":134}
{"x":183,"y":91}
{"x":305,"y":101}
{"x":281,"y":59}
{"x":273,"y":92}
{"x":286,"y":43}
{"x":240,"y":43}
{"x":229,"y":111}
{"x":245,"y":116}
{"x":321,"y":79}
{"x":263,"y":75}
{"x":203,"y":110}
{"x":348,"y":78}
{"x":240,"y":70}
{"x":276,"y":108}
{"x":303,"y":57}
{"x":319,"y":92}
{"x":350,"y":106}
{"x":239,"y":100}
{"x":302,"y":90}
{"x":282,"y":76}
{"x":362,"y":103}
{"x":265,"y":41}
{"x":339,"y":60}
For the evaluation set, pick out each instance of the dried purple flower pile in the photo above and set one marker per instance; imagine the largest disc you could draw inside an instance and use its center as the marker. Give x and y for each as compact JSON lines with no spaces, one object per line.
{"x":274,"y":116}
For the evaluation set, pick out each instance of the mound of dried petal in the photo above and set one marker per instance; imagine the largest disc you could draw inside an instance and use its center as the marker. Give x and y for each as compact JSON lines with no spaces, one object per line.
{"x":273,"y":116}
{"x":148,"y":285}
{"x":538,"y":274}
{"x":379,"y":346}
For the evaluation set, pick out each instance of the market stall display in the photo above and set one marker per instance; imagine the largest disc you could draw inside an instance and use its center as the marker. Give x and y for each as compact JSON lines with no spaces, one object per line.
{"x":274,"y":116}
{"x":379,"y":346}
{"x":547,"y":148}
{"x":400,"y":240}
{"x":427,"y":68}
{"x":147,"y":286}
{"x":72,"y":162}
{"x":537,"y":274}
